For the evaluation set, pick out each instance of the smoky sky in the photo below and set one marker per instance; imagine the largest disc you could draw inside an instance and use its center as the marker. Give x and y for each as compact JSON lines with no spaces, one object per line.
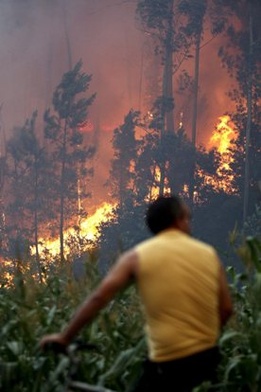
{"x":41,"y":39}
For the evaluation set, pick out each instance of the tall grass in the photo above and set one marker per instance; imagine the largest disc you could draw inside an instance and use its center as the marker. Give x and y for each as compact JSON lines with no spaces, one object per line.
{"x":241,"y":342}
{"x":29,"y":309}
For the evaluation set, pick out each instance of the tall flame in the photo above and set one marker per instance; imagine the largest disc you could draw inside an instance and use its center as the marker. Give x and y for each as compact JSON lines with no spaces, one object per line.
{"x":88,"y":229}
{"x":223,"y":135}
{"x":222,"y":139}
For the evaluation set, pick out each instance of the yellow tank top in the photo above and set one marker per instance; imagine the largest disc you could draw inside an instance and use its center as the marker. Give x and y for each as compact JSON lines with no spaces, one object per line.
{"x":178,"y":283}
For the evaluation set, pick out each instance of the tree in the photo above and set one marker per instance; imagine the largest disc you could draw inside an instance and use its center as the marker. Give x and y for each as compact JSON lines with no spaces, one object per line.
{"x":165,"y":24}
{"x":2,"y":180}
{"x":242,"y":58}
{"x":70,"y":154}
{"x":123,"y":167}
{"x":29,"y":177}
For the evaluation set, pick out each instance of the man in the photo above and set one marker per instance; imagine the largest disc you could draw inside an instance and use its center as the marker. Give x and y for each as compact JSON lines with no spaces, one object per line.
{"x":185,"y":296}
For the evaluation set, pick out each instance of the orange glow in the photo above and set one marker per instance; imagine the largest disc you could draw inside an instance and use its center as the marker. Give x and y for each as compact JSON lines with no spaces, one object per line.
{"x":222,"y":139}
{"x":155,"y":188}
{"x":223,"y":135}
{"x":86,"y":126}
{"x":88,"y":230}
{"x":89,"y":227}
{"x":6,"y":267}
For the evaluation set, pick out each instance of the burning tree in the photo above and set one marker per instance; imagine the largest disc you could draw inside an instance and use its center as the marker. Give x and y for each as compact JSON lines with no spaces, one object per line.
{"x":177,"y":27}
{"x":70,"y":153}
{"x":242,"y":58}
{"x":161,"y":19}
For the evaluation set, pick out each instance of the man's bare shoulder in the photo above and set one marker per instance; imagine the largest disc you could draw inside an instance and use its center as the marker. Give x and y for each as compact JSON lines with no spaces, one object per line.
{"x":129,"y":260}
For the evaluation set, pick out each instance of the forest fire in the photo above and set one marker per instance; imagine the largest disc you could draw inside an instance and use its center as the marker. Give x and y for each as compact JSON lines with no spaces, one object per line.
{"x":222,"y":139}
{"x":88,"y":229}
{"x":223,"y":135}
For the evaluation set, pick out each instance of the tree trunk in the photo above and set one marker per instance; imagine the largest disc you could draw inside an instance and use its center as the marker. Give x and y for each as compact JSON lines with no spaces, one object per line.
{"x":2,"y":177}
{"x":167,"y":88}
{"x":167,"y":94}
{"x":37,"y":256}
{"x":195,"y":115}
{"x":249,"y":116}
{"x":62,"y":201}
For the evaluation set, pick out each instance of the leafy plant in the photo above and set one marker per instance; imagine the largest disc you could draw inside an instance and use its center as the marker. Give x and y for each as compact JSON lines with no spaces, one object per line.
{"x":241,"y":342}
{"x":29,"y":309}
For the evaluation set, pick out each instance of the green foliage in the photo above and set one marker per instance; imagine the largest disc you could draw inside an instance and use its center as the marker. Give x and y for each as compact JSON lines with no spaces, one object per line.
{"x":241,"y":341}
{"x":29,"y":309}
{"x":69,"y":151}
{"x":29,"y":170}
{"x":122,"y":173}
{"x":241,"y":56}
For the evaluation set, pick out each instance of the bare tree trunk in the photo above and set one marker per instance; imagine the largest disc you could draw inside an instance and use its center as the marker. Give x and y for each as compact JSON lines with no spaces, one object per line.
{"x":37,"y":255}
{"x":195,"y":115}
{"x":2,"y":177}
{"x":62,"y":195}
{"x":249,"y":116}
{"x":168,"y":88}
{"x":167,"y":94}
{"x":36,"y":241}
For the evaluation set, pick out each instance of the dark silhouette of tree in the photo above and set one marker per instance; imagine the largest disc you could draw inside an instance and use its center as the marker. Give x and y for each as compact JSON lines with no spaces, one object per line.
{"x":29,"y":179}
{"x":177,"y":27}
{"x":164,"y":23}
{"x":70,"y":154}
{"x":123,"y":164}
{"x":195,"y":10}
{"x":2,"y":179}
{"x":201,"y":15}
{"x":242,"y":58}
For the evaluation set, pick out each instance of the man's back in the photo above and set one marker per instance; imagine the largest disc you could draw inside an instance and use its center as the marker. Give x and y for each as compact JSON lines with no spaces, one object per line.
{"x":186,"y":295}
{"x":178,"y":280}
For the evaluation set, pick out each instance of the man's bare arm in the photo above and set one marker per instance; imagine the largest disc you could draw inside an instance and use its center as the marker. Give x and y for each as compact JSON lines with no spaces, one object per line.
{"x":119,"y":277}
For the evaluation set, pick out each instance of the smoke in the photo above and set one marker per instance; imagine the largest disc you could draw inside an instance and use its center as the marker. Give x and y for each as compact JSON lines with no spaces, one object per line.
{"x":214,"y":84}
{"x":42,"y":39}
{"x":39,"y":39}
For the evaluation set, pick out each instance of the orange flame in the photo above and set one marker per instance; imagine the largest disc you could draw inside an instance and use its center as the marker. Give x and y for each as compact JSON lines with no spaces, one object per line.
{"x":223,"y":135}
{"x":222,"y":139}
{"x":88,"y":229}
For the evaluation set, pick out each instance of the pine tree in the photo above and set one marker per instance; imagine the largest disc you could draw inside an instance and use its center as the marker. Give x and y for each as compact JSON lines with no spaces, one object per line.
{"x":29,"y":174}
{"x":70,"y":154}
